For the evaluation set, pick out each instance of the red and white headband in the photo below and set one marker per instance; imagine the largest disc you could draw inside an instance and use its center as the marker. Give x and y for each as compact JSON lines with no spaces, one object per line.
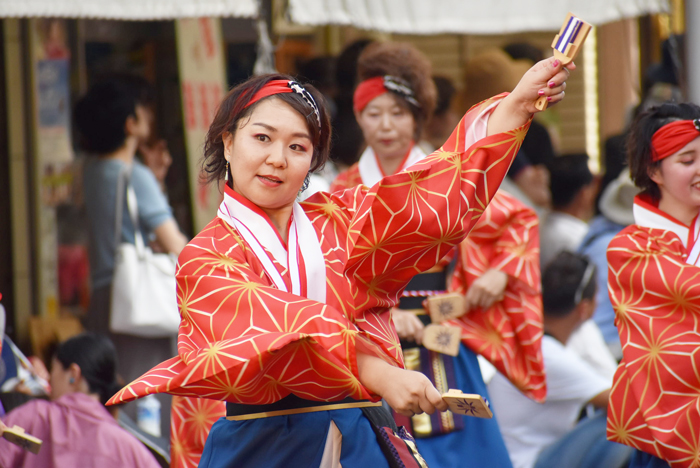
{"x":282,"y":87}
{"x":374,"y":87}
{"x":673,"y":136}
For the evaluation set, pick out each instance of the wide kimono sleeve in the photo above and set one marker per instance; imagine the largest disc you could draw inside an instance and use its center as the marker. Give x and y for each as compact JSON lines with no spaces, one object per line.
{"x":654,"y":404}
{"x":407,"y":222}
{"x":508,"y":334}
{"x":243,"y":341}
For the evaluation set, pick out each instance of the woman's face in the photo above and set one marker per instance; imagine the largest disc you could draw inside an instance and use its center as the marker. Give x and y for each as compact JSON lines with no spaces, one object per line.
{"x":678,"y":178}
{"x":388,"y":126}
{"x":270,"y":155}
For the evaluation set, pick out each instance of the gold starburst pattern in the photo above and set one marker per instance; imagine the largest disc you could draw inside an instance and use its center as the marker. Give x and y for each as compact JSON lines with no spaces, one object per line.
{"x":655,"y":400}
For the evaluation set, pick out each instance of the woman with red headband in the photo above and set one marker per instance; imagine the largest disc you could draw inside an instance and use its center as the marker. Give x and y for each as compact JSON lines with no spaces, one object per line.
{"x":395,"y":97}
{"x":500,"y":283}
{"x":283,"y":304}
{"x":654,"y":285}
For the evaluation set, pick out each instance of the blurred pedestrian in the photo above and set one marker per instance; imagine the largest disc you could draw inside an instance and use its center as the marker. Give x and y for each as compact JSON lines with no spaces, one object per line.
{"x":113,"y":121}
{"x":615,"y":214}
{"x":347,"y":143}
{"x":491,"y":72}
{"x":444,"y":118}
{"x":573,"y":189}
{"x":549,"y":434}
{"x":75,"y":427}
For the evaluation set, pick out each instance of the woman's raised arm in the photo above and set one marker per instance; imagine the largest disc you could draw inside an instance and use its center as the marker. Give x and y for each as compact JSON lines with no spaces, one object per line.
{"x":408,"y":221}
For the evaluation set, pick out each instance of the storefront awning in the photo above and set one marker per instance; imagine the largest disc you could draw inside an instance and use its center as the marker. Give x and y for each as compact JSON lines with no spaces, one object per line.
{"x":465,"y":16}
{"x":128,"y":9}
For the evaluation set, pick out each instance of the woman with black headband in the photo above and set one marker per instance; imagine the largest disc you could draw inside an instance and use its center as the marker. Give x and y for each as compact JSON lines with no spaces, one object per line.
{"x":654,"y":288}
{"x":284,"y":304}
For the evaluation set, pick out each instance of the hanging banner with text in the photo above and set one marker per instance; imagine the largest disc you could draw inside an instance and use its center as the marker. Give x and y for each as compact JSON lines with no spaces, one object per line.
{"x":53,"y":156}
{"x":202,"y":87}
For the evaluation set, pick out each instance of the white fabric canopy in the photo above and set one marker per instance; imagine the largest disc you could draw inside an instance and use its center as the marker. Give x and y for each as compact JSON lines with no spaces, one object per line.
{"x":465,"y":16}
{"x":128,"y":9}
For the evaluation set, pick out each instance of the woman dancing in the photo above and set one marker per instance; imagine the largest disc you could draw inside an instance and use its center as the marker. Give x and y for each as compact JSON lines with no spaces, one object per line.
{"x":284,"y":305}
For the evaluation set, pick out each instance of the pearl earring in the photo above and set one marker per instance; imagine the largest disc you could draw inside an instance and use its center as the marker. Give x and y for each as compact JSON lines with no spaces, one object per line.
{"x":71,"y":381}
{"x":227,"y":169}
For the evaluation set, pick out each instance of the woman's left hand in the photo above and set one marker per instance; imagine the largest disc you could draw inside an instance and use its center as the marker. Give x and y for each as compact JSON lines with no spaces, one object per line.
{"x":546,"y":78}
{"x":488,"y":289}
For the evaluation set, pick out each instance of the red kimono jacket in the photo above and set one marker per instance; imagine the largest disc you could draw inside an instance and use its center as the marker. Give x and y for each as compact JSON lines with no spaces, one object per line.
{"x":506,"y":238}
{"x":654,"y":286}
{"x":509,"y":334}
{"x":244,"y":340}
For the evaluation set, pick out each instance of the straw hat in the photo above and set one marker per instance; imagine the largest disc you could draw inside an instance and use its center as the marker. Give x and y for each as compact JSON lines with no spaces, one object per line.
{"x":489,"y":73}
{"x":618,"y":198}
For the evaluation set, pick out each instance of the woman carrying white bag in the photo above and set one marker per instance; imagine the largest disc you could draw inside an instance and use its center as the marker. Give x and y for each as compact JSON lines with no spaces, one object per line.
{"x":113,"y":119}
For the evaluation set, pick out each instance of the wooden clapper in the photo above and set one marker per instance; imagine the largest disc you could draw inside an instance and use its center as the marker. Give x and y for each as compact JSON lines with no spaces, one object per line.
{"x":17,"y":436}
{"x":468,"y":404}
{"x":441,"y":338}
{"x":566,"y":45}
{"x":446,"y":340}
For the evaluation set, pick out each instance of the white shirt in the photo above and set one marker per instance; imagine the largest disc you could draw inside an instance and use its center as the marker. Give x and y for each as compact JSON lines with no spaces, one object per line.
{"x":527,"y":426}
{"x":560,"y":231}
{"x":588,"y":342}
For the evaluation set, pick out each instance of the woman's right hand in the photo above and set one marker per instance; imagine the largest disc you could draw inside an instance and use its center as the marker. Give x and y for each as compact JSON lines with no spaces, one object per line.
{"x":408,"y":326}
{"x":410,"y":392}
{"x":407,"y":392}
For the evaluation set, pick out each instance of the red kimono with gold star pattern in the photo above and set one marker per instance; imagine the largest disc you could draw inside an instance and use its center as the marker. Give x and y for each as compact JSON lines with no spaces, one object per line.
{"x":509,"y":334}
{"x":654,"y":286}
{"x":243,"y":339}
